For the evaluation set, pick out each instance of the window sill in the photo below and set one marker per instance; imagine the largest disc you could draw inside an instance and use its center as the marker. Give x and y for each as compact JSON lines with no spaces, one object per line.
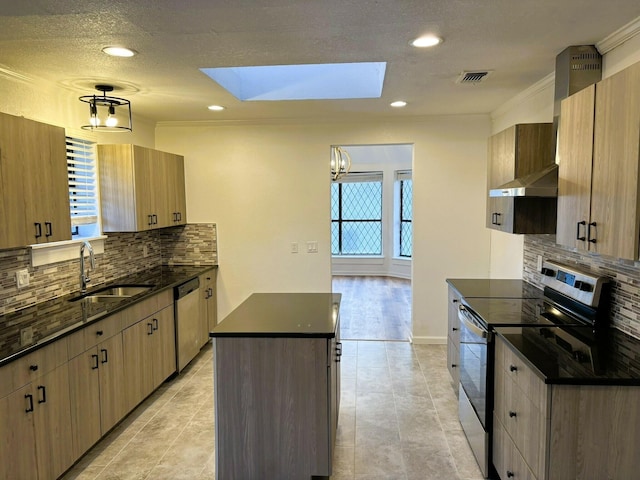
{"x":45,"y":254}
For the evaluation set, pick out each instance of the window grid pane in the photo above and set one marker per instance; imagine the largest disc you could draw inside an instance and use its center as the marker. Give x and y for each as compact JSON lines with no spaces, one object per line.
{"x":406,"y":217}
{"x":356,"y":214}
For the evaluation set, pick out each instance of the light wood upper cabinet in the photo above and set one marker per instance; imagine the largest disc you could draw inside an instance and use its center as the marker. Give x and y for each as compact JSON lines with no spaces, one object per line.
{"x":141,"y":189}
{"x":599,"y":156}
{"x":34,"y":191}
{"x":575,"y":155}
{"x":517,"y":151}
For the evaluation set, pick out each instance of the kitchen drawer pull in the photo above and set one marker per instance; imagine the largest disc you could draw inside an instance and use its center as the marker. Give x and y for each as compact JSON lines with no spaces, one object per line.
{"x":510,"y":474}
{"x":578,"y":237}
{"x":48,"y":229}
{"x":455,"y":300}
{"x":513,"y":368}
{"x":43,"y":398}
{"x":155,"y":323}
{"x":30,"y":407}
{"x":513,"y":414}
{"x":150,"y":325}
{"x":99,"y":333}
{"x":95,"y":365}
{"x":33,"y":368}
{"x":38,"y":230}
{"x":105,"y":355}
{"x":454,"y":365}
{"x":594,"y":225}
{"x":454,"y":329}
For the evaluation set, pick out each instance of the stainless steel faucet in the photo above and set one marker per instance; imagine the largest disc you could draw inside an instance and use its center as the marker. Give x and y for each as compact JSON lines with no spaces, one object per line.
{"x":84,"y":277}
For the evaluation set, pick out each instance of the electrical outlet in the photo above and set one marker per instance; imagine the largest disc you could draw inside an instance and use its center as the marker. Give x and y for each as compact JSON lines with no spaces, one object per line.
{"x":294,"y":247}
{"x":145,"y":251}
{"x":539,"y":263}
{"x":26,"y":336}
{"x":312,"y":247}
{"x":22,"y":278}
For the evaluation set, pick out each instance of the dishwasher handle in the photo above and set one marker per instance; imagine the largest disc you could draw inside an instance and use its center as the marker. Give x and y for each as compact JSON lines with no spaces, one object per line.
{"x":186,"y":288}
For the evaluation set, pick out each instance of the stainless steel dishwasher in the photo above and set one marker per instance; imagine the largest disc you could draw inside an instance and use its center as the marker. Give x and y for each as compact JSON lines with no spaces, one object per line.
{"x":187,"y":318}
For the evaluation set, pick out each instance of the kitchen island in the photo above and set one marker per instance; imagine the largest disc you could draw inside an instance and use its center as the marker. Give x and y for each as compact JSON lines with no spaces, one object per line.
{"x":277,"y":386}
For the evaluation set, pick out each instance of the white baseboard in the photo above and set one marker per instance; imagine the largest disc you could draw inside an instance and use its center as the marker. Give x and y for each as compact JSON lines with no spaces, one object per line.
{"x":429,"y":340}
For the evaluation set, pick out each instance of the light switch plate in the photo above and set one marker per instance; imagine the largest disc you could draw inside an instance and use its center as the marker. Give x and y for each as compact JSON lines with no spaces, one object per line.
{"x":312,"y":247}
{"x":294,"y":247}
{"x":26,"y":336}
{"x":22,"y":278}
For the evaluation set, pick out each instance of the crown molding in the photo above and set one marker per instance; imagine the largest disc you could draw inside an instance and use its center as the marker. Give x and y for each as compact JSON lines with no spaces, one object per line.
{"x":618,"y":37}
{"x":523,"y":96}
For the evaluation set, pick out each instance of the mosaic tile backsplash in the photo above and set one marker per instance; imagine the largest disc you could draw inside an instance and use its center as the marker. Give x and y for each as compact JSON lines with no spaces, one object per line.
{"x":625,"y":275}
{"x":124,"y":254}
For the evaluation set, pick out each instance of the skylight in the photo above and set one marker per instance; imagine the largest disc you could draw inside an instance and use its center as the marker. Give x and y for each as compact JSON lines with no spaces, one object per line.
{"x":327,"y":81}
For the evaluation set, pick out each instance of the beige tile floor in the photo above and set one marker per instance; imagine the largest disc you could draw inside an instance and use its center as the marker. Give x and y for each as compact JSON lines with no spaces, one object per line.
{"x":398,"y":421}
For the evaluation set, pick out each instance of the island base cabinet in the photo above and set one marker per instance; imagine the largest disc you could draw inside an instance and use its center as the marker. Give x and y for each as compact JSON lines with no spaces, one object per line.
{"x":273,"y":400}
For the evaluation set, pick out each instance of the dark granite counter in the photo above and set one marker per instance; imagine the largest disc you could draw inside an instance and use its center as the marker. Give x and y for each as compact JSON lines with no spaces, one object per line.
{"x":494,"y":288}
{"x":607,"y":357}
{"x":282,"y":315}
{"x":55,"y":318}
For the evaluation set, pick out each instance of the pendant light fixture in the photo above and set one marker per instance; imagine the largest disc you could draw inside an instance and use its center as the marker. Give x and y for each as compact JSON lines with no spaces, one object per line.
{"x":340,"y":163}
{"x":107,"y":113}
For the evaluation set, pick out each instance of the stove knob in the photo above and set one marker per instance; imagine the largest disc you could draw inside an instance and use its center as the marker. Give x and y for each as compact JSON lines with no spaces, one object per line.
{"x":583,"y":286}
{"x":548,"y":272}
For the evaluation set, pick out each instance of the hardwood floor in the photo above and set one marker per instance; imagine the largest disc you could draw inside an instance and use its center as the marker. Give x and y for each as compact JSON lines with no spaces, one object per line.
{"x":374,"y":308}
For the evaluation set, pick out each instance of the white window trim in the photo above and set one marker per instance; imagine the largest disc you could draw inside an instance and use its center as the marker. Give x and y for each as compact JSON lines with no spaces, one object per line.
{"x":54,"y":252}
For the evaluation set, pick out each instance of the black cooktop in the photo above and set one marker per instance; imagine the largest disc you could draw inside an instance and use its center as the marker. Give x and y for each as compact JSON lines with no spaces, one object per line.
{"x":507,"y":311}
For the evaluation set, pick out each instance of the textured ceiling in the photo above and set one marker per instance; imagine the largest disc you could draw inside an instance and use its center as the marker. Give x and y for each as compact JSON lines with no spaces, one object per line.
{"x":60,"y":41}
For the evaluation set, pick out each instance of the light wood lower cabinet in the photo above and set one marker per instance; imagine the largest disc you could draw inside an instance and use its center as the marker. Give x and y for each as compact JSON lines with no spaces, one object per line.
{"x":550,"y":432}
{"x":453,"y":338}
{"x":34,"y":421}
{"x":277,"y":404}
{"x":209,"y":302}
{"x":149,"y":355}
{"x":95,"y":384}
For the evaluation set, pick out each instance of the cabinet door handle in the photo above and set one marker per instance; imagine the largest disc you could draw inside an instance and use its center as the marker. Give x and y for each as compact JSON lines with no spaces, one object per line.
{"x":510,"y":474}
{"x":33,"y":368}
{"x":592,"y":240}
{"x":578,"y":237}
{"x":338,"y":351}
{"x":454,"y":365}
{"x":155,"y":324}
{"x":454,"y":329}
{"x":513,"y":368}
{"x":150,"y":332}
{"x":498,"y":215}
{"x":155,"y":219}
{"x":179,"y":216}
{"x":29,"y":397}
{"x":43,"y":391}
{"x":210,"y":292}
{"x":48,"y":229}
{"x":38,"y":230}
{"x":105,"y":355}
{"x":513,"y":414}
{"x":99,"y":333}
{"x":149,"y":219}
{"x":95,"y":365}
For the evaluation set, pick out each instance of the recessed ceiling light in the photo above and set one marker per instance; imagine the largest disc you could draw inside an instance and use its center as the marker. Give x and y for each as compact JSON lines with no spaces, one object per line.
{"x":426,"y":41}
{"x":399,"y":104}
{"x":119,"y":51}
{"x":215,"y":108}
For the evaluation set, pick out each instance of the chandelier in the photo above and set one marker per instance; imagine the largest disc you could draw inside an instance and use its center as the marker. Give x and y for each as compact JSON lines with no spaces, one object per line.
{"x":107,"y":113}
{"x":340,"y":163}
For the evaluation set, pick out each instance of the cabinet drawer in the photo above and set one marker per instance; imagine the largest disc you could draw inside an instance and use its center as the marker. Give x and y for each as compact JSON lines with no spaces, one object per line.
{"x":147,"y":307}
{"x":453,"y":331}
{"x":91,"y":335}
{"x":519,"y":371}
{"x":30,"y":367}
{"x":453,"y":360}
{"x":506,"y":458}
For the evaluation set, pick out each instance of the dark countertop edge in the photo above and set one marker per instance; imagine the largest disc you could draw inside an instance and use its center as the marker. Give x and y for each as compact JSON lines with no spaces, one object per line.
{"x":271,"y":335}
{"x":451,"y":283}
{"x":122,"y":306}
{"x":575,"y":381}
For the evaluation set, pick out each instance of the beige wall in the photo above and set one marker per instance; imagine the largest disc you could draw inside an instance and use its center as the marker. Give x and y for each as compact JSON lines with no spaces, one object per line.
{"x":268,"y":185}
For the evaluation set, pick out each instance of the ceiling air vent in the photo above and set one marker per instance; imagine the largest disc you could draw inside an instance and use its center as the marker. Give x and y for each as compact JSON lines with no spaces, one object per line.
{"x":472,"y":77}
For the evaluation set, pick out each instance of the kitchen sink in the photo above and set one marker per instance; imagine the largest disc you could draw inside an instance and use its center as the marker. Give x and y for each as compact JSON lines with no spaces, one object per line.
{"x":112,"y":293}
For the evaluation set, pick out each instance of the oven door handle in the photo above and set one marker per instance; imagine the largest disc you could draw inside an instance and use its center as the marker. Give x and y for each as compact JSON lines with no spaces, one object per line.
{"x":464,"y":316}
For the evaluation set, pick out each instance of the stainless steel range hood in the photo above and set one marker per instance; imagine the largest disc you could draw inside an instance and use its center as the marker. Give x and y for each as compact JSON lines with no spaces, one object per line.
{"x":577,"y":67}
{"x":543,"y":183}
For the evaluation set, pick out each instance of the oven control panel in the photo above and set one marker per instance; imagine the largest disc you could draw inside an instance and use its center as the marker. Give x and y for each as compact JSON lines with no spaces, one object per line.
{"x":576,"y":283}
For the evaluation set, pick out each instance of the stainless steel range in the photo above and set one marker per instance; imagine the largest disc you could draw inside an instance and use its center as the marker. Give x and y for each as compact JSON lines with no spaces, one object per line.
{"x":572,"y":298}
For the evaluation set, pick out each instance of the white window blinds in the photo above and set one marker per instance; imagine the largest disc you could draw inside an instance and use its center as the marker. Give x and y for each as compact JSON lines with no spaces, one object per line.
{"x":81,"y":170}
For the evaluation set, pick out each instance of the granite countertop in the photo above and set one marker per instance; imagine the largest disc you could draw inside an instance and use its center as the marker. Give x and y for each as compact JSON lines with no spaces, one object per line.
{"x":494,"y":288}
{"x":611,"y":358}
{"x":58,"y":317}
{"x":282,"y":315}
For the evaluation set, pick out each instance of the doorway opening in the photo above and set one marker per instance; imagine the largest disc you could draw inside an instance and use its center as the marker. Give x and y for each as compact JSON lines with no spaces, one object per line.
{"x":371,"y":242}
